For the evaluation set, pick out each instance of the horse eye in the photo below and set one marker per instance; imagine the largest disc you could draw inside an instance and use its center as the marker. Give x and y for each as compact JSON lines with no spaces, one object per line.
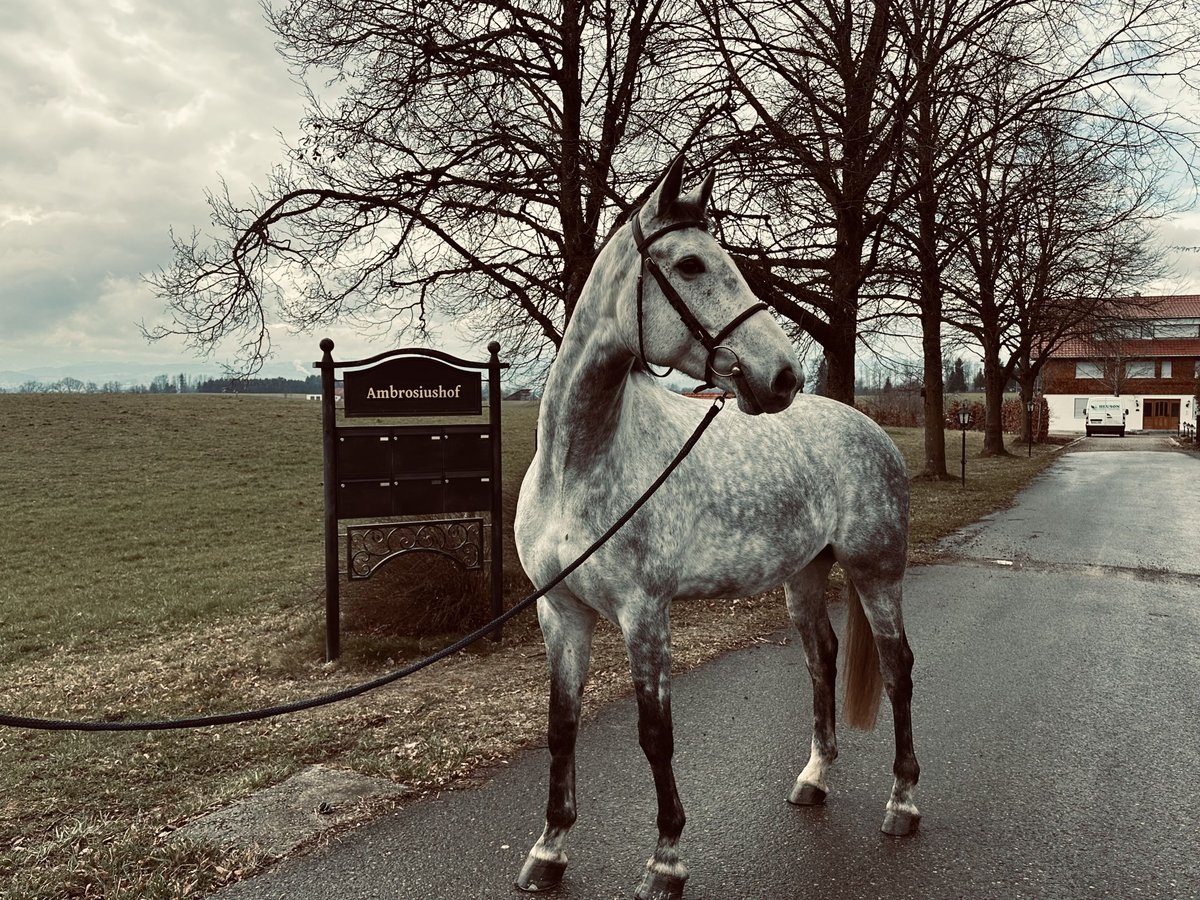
{"x":690,"y":265}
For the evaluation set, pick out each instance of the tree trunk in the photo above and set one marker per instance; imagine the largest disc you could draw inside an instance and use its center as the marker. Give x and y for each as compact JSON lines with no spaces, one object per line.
{"x":930,"y":295}
{"x":1026,"y":392}
{"x":839,"y":358}
{"x":845,"y":273}
{"x":995,"y":377}
{"x":935,"y":397}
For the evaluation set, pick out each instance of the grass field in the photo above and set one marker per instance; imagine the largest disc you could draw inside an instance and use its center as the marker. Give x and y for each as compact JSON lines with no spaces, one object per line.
{"x":163,"y":557}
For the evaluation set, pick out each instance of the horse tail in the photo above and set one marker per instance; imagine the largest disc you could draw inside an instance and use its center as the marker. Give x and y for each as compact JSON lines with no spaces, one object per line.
{"x":864,"y":682}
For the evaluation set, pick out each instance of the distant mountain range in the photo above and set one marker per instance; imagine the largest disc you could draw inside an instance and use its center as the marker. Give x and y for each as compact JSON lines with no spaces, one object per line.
{"x":131,"y":373}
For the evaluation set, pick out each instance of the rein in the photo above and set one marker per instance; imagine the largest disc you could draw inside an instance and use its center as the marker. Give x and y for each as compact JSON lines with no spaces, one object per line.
{"x":356,"y":690}
{"x":711,"y":343}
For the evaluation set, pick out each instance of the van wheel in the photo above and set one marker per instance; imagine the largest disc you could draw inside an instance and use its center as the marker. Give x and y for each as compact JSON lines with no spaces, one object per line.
{"x":1089,"y":432}
{"x":1121,"y":433}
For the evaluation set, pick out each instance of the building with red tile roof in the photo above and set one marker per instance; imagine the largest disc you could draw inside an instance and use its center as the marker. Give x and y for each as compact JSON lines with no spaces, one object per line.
{"x":1151,"y":360}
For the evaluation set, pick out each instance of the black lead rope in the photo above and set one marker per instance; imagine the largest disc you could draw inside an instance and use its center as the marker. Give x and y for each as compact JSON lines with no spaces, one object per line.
{"x":356,"y":690}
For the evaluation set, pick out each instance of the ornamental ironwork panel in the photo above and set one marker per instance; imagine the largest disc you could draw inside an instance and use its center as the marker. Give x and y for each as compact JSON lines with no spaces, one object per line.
{"x":370,"y":546}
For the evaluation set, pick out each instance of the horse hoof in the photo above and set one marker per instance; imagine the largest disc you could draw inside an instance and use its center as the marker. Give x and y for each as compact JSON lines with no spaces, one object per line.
{"x":899,"y":823}
{"x":540,"y":875}
{"x":656,"y":886}
{"x":806,"y":795}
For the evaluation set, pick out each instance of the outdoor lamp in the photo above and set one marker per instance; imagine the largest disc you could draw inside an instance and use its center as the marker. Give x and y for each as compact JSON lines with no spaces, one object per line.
{"x":1029,"y":425}
{"x":964,"y":419}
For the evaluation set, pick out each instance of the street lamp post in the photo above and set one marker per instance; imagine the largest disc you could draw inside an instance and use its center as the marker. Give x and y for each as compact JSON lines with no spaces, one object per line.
{"x":964,"y":419}
{"x":1029,"y":424}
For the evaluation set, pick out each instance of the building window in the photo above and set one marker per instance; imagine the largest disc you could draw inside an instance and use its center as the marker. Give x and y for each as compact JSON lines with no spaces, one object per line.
{"x":1125,"y":331}
{"x":1176,"y":330}
{"x":1139,"y":368}
{"x":1088,"y":370}
{"x":1166,"y":368}
{"x":1080,"y":407}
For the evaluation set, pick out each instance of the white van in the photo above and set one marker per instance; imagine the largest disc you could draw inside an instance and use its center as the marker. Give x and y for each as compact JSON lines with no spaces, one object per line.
{"x":1104,"y":415}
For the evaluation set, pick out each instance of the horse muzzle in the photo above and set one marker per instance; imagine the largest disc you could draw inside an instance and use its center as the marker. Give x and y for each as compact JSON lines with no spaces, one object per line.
{"x":756,"y":395}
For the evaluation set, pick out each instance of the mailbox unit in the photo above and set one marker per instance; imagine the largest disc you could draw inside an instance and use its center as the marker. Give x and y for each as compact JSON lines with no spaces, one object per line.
{"x":374,"y":471}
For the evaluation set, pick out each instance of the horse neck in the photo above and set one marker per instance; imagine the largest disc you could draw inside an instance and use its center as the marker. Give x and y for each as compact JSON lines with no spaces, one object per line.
{"x":585,"y":389}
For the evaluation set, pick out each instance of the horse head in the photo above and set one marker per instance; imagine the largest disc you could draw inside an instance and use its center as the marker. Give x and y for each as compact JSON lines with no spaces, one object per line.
{"x":695,"y":312}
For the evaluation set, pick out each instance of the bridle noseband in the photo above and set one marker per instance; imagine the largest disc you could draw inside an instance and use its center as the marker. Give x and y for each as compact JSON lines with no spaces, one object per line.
{"x":711,"y":343}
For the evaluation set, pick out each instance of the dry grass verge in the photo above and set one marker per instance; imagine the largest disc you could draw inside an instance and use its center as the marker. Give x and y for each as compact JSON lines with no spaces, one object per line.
{"x":91,"y":815}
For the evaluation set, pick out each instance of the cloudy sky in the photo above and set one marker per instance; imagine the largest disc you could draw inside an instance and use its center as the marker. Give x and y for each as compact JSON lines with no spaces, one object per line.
{"x":118,"y":114}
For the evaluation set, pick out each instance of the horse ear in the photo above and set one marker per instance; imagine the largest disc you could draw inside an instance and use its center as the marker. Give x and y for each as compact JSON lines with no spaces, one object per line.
{"x":668,"y":187}
{"x":702,"y":193}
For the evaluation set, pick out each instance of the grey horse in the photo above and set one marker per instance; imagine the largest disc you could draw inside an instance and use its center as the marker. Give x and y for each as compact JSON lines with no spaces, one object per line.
{"x":775,"y":492}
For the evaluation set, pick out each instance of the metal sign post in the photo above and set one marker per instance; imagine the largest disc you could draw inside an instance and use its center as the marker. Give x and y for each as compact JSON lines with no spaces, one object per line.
{"x":407,"y":470}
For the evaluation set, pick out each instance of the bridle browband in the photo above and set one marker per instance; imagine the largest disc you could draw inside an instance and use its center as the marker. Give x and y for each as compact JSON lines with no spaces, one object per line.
{"x":711,"y":343}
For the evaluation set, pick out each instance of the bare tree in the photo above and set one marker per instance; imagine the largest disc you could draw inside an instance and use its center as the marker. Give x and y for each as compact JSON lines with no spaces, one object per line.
{"x":1087,"y":243}
{"x":825,"y":89}
{"x":855,"y":118}
{"x":958,"y":48}
{"x":1053,"y":226}
{"x":1046,"y":62}
{"x":461,"y":159}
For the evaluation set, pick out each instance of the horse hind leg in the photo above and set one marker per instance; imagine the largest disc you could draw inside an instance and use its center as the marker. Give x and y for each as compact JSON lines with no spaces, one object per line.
{"x":805,"y":593}
{"x":880,"y":607}
{"x":567,"y":627}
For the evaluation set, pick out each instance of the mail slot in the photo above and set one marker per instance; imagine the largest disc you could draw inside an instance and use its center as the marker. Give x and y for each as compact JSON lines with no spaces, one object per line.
{"x":364,"y":453}
{"x":358,"y":499}
{"x":468,"y":451}
{"x":467,"y":493}
{"x":418,"y":495}
{"x":418,"y":451}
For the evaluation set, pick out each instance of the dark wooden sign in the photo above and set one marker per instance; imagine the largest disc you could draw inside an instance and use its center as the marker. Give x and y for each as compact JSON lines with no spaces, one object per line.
{"x":409,"y":470}
{"x":412,"y":386}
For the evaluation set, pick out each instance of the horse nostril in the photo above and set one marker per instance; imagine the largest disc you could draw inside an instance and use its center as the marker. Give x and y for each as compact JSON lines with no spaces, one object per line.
{"x":785,"y":382}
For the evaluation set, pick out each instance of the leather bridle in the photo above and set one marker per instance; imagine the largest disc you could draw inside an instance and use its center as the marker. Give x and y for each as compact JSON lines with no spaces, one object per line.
{"x":712,"y":343}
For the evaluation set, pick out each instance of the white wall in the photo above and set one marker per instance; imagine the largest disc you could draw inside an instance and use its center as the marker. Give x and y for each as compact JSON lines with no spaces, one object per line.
{"x":1062,"y":411}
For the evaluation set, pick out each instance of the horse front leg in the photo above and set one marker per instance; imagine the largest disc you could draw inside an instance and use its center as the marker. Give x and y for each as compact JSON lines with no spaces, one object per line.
{"x":567,"y":628}
{"x":648,"y":641}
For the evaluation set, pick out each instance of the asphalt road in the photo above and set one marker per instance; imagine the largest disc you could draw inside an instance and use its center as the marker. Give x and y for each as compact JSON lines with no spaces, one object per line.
{"x":1056,"y":714}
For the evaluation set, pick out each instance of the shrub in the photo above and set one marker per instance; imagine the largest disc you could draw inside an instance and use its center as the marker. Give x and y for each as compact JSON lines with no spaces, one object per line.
{"x":898,"y":409}
{"x":1012,"y":415}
